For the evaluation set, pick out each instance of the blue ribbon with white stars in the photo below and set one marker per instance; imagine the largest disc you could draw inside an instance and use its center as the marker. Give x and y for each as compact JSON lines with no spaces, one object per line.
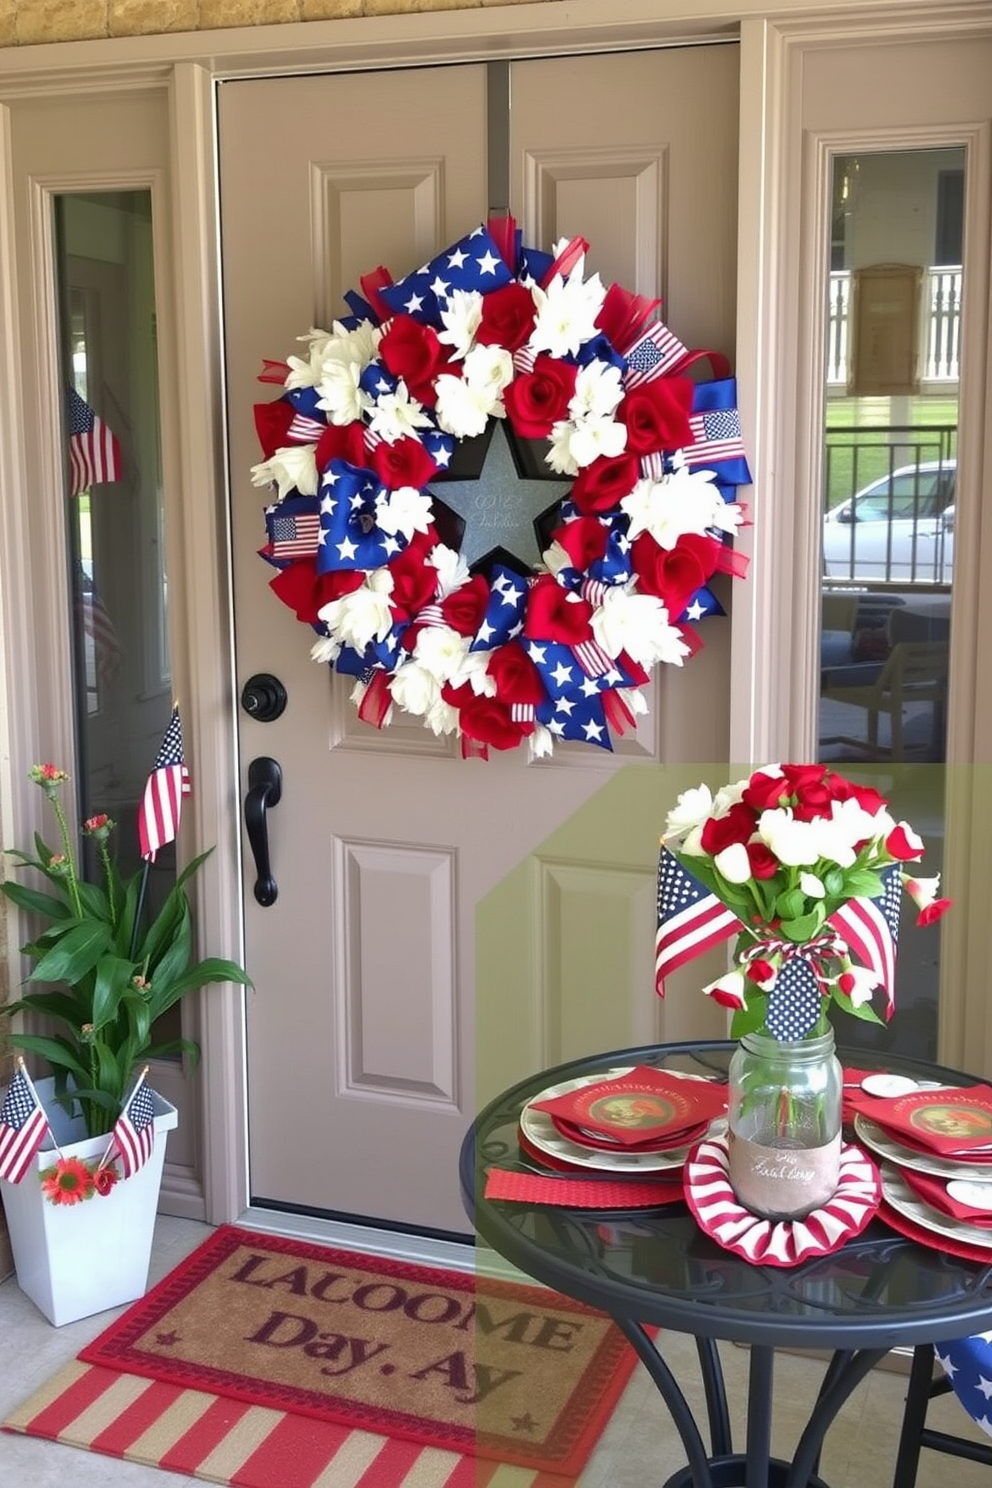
{"x":349,"y":536}
{"x":577,"y":715}
{"x":474,"y":262}
{"x":504,"y":614}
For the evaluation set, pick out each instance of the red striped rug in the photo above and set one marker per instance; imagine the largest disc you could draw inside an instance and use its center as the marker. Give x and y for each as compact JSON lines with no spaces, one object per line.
{"x":269,"y":1363}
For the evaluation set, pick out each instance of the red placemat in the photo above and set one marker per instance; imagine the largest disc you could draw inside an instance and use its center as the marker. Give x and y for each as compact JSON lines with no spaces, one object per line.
{"x":581,"y":1193}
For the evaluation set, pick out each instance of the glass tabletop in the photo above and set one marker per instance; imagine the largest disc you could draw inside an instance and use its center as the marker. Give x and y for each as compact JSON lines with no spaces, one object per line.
{"x":656,"y":1266}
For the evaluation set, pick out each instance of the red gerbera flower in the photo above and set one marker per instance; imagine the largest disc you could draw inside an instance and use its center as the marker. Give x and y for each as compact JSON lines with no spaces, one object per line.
{"x":69,"y":1182}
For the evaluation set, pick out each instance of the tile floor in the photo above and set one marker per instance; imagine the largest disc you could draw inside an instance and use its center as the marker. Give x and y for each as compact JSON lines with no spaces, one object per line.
{"x":639,"y":1449}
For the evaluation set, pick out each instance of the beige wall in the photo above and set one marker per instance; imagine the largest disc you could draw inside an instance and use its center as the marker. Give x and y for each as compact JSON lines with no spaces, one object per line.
{"x":25,"y":22}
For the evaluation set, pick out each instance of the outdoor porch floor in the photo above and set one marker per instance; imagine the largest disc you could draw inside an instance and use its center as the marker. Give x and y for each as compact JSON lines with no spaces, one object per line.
{"x":639,"y":1448}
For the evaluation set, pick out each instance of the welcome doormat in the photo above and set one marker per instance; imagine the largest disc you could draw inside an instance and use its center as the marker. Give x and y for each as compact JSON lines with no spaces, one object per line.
{"x":325,"y":1339}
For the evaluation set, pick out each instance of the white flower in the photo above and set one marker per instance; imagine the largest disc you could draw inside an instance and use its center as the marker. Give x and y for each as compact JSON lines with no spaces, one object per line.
{"x":489,"y":369}
{"x":922,"y":891}
{"x":414,"y":689}
{"x":405,"y":510}
{"x":328,"y":648}
{"x":396,"y":415}
{"x":338,"y":346}
{"x":465,"y":404}
{"x":475,"y":671}
{"x":441,"y":651}
{"x":598,"y":390}
{"x":638,"y":624}
{"x":692,"y":844}
{"x":291,"y":467}
{"x":728,"y":990}
{"x":559,"y":453}
{"x":340,"y":393}
{"x":556,"y":558}
{"x":596,"y":435}
{"x":857,"y":984}
{"x":727,"y":796}
{"x":690,"y":810}
{"x":442,"y":718}
{"x":812,"y":886}
{"x":541,"y":743}
{"x":452,"y":570}
{"x":848,"y":825}
{"x":566,"y":313}
{"x":364,"y":615}
{"x":733,"y":863}
{"x":679,"y":503}
{"x":462,"y":317}
{"x":793,"y":842}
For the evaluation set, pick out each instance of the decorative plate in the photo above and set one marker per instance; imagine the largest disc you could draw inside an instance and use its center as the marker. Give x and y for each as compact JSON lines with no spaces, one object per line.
{"x":887,"y":1146}
{"x":542,"y":1134}
{"x":900,"y":1197}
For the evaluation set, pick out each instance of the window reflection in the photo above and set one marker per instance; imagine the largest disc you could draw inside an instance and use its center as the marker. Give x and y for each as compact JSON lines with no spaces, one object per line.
{"x":113,"y":507}
{"x":893,"y":318}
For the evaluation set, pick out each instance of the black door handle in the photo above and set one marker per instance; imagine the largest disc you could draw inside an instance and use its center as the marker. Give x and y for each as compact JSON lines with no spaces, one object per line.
{"x":264,"y":790}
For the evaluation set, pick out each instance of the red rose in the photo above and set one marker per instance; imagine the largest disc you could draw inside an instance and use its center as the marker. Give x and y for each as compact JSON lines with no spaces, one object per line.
{"x":760,"y":971}
{"x":867,"y":797}
{"x":601,"y":485}
{"x":414,"y":352}
{"x":517,"y":678}
{"x":672,"y":574}
{"x":405,"y":462}
{"x":723,"y":831}
{"x":583,"y":539}
{"x":657,"y":415}
{"x":414,"y":579}
{"x":553,"y":614}
{"x":341,"y":442}
{"x":463,"y":610}
{"x":508,"y":317}
{"x":764,"y":792}
{"x":306,"y":591}
{"x":764,"y":863}
{"x":537,"y":400}
{"x":485,"y":719}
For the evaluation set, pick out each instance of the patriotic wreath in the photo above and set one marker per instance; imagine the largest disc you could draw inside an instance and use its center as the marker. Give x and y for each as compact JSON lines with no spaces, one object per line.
{"x":380,"y":411}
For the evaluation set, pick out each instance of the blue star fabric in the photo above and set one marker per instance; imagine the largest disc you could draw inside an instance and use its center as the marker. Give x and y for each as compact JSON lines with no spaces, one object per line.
{"x":580,"y":715}
{"x":349,"y":536}
{"x":967,"y":1362}
{"x":473,"y":262}
{"x":504,"y":614}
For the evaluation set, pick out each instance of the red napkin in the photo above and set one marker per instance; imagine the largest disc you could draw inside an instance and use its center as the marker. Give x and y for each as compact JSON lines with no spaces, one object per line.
{"x":601,"y":1143}
{"x":581,"y":1193}
{"x":934,"y":1192}
{"x":948,"y":1121}
{"x":635,"y":1107}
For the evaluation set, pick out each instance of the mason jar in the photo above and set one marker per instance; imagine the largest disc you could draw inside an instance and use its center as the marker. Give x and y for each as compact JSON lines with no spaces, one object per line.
{"x":784,"y":1116}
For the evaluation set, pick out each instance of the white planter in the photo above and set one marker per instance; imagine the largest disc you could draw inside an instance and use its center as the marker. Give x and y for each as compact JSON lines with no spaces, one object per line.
{"x":73,"y":1260}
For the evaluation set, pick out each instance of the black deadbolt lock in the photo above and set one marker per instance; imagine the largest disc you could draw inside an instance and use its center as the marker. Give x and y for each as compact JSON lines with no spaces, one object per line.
{"x":264,"y":697}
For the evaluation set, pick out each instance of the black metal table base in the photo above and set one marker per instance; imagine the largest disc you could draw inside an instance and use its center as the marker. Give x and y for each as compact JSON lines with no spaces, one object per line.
{"x":720,"y":1466}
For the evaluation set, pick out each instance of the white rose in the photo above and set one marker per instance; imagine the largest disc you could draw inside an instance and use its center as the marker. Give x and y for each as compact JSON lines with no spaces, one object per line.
{"x":414,"y":689}
{"x":292,"y":467}
{"x":340,"y":393}
{"x":793,"y":842}
{"x":441,"y":651}
{"x":364,"y":615}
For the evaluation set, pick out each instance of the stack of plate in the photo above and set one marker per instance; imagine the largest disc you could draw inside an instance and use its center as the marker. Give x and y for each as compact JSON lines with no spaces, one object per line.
{"x":559,"y":1143}
{"x":968,"y":1175}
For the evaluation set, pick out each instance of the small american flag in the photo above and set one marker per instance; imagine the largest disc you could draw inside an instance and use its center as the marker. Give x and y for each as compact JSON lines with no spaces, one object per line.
{"x":653,"y":355}
{"x":134,"y":1131}
{"x":94,"y":450}
{"x":871,"y":928}
{"x":161,"y":805}
{"x":295,"y":536}
{"x":691,"y":919}
{"x":23,"y":1125}
{"x":305,"y":430}
{"x":716,"y":435}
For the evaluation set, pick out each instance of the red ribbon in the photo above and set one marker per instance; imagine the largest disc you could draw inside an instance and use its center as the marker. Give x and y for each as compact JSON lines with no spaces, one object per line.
{"x":376,"y":701}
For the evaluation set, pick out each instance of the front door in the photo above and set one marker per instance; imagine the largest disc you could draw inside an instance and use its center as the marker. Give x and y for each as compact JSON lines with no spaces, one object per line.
{"x":444,"y":925}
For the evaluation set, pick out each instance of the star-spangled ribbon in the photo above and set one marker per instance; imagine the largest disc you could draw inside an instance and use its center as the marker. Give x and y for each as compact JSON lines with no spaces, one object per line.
{"x":504,"y":613}
{"x":716,"y":425}
{"x":579,"y":715}
{"x":473,"y":263}
{"x":703,"y":602}
{"x":306,"y":400}
{"x":349,"y":536}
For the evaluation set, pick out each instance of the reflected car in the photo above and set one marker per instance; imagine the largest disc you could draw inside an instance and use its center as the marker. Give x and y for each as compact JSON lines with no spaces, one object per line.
{"x":900,"y":527}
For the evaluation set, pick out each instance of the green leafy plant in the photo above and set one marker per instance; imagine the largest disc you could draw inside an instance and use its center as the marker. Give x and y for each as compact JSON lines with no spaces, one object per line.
{"x":107,"y":978}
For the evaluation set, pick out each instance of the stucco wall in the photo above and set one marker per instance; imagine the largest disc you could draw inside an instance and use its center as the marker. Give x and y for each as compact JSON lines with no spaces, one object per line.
{"x":25,"y":22}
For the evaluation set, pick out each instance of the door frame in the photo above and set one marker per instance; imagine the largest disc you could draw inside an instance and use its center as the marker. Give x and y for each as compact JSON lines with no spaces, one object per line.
{"x":773,"y":623}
